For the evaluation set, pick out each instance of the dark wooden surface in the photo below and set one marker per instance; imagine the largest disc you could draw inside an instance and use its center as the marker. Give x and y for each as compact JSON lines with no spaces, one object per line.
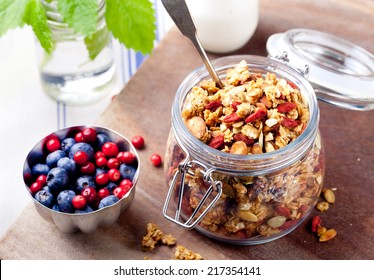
{"x":143,"y":107}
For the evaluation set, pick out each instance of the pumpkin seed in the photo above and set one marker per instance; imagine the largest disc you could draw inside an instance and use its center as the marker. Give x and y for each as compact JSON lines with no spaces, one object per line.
{"x":276,"y":221}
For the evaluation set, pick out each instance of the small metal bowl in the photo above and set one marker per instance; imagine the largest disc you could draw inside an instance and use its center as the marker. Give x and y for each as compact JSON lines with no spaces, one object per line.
{"x":85,"y":222}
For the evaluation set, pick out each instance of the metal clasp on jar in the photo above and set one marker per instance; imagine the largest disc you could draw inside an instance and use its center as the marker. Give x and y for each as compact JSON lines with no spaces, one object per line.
{"x":190,"y":167}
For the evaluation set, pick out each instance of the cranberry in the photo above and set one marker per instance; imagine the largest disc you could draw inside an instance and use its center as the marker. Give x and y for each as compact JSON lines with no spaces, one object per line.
{"x":138,"y":141}
{"x":104,"y":192}
{"x":114,"y":175}
{"x":102,"y":179}
{"x":81,"y":157}
{"x":113,"y":163}
{"x":101,"y":162}
{"x":88,"y":168}
{"x":126,"y":157}
{"x":89,"y":135}
{"x":110,"y":149}
{"x":79,"y":201}
{"x":90,"y":194}
{"x":78,"y":137}
{"x":42,"y":179}
{"x":126,"y":183}
{"x":53,"y":145}
{"x":35,"y":187}
{"x":156,"y":160}
{"x":99,"y":154}
{"x":119,"y":192}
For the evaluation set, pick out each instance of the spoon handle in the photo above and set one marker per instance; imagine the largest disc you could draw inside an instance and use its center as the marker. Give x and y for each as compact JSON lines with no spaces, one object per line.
{"x":181,"y":16}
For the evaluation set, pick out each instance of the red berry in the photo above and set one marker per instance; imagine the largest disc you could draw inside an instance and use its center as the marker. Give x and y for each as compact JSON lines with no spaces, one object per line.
{"x":104,"y":192}
{"x":114,"y":175}
{"x":119,"y":192}
{"x":53,"y":145}
{"x":110,"y":149}
{"x":89,"y":135}
{"x":42,"y":179}
{"x":138,"y":141}
{"x":99,"y":154}
{"x":78,"y":137}
{"x":156,"y":160}
{"x":126,"y":183}
{"x":81,"y":157}
{"x":113,"y":163}
{"x":101,"y":162}
{"x":35,"y":187}
{"x":79,"y":201}
{"x":88,"y":168}
{"x":126,"y":157}
{"x":90,"y":194}
{"x":102,"y":179}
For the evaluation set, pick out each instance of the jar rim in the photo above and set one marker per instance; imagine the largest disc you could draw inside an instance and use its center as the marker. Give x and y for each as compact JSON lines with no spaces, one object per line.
{"x":254,"y":163}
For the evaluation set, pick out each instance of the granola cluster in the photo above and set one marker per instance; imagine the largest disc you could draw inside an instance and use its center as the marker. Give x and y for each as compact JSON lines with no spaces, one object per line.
{"x":252,"y":114}
{"x":154,"y":236}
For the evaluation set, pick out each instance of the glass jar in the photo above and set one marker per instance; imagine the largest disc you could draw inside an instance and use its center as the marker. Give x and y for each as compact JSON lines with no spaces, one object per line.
{"x":243,"y":199}
{"x":68,"y":74}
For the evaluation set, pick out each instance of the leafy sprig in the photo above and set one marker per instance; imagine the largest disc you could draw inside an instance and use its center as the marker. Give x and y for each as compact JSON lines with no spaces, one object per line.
{"x":132,"y":22}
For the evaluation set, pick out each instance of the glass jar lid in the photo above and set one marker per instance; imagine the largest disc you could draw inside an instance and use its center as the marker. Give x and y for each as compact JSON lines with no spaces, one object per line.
{"x":340,"y":72}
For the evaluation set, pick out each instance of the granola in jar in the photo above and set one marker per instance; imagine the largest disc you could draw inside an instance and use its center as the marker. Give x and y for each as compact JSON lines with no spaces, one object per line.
{"x":267,"y":155}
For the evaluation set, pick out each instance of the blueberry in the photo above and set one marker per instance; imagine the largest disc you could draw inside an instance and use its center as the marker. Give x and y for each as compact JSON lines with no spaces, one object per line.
{"x":64,"y":201}
{"x":83,"y":182}
{"x":56,"y":208}
{"x":111,"y":186}
{"x":87,"y":148}
{"x":108,"y":201}
{"x":99,"y":171}
{"x":86,"y":209}
{"x":45,"y":198}
{"x":66,"y":144}
{"x":57,"y":179}
{"x":54,"y":157}
{"x":67,"y":164}
{"x":102,"y":138}
{"x":40,"y":169}
{"x":127,"y":171}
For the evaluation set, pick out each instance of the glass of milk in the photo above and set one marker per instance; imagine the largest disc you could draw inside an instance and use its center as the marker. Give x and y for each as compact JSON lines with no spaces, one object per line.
{"x":224,"y":25}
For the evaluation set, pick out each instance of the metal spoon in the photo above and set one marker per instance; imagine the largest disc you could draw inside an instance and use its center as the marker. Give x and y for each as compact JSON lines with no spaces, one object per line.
{"x":181,"y":16}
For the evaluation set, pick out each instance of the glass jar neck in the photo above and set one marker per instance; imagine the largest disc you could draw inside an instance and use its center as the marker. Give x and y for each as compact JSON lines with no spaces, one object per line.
{"x":60,"y":29}
{"x":250,"y":164}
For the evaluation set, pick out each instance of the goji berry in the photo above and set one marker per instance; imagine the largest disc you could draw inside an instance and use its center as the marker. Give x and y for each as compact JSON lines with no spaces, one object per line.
{"x":290,"y":123}
{"x":235,"y":105}
{"x":286,"y":107}
{"x":316,"y":222}
{"x":233,"y":117}
{"x":258,"y":115}
{"x":214,"y":105}
{"x":241,"y":137}
{"x":217,"y":141}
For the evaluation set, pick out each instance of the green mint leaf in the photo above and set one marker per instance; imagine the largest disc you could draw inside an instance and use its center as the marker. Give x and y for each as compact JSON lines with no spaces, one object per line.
{"x":11,"y":14}
{"x":81,"y":15}
{"x":35,"y":16}
{"x":97,"y":42}
{"x":132,"y":22}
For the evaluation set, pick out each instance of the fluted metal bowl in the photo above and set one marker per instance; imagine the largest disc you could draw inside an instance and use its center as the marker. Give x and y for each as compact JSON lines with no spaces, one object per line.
{"x":85,"y":222}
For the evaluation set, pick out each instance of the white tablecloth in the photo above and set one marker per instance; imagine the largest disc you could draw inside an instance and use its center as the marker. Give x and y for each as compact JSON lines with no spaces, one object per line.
{"x":28,"y":114}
